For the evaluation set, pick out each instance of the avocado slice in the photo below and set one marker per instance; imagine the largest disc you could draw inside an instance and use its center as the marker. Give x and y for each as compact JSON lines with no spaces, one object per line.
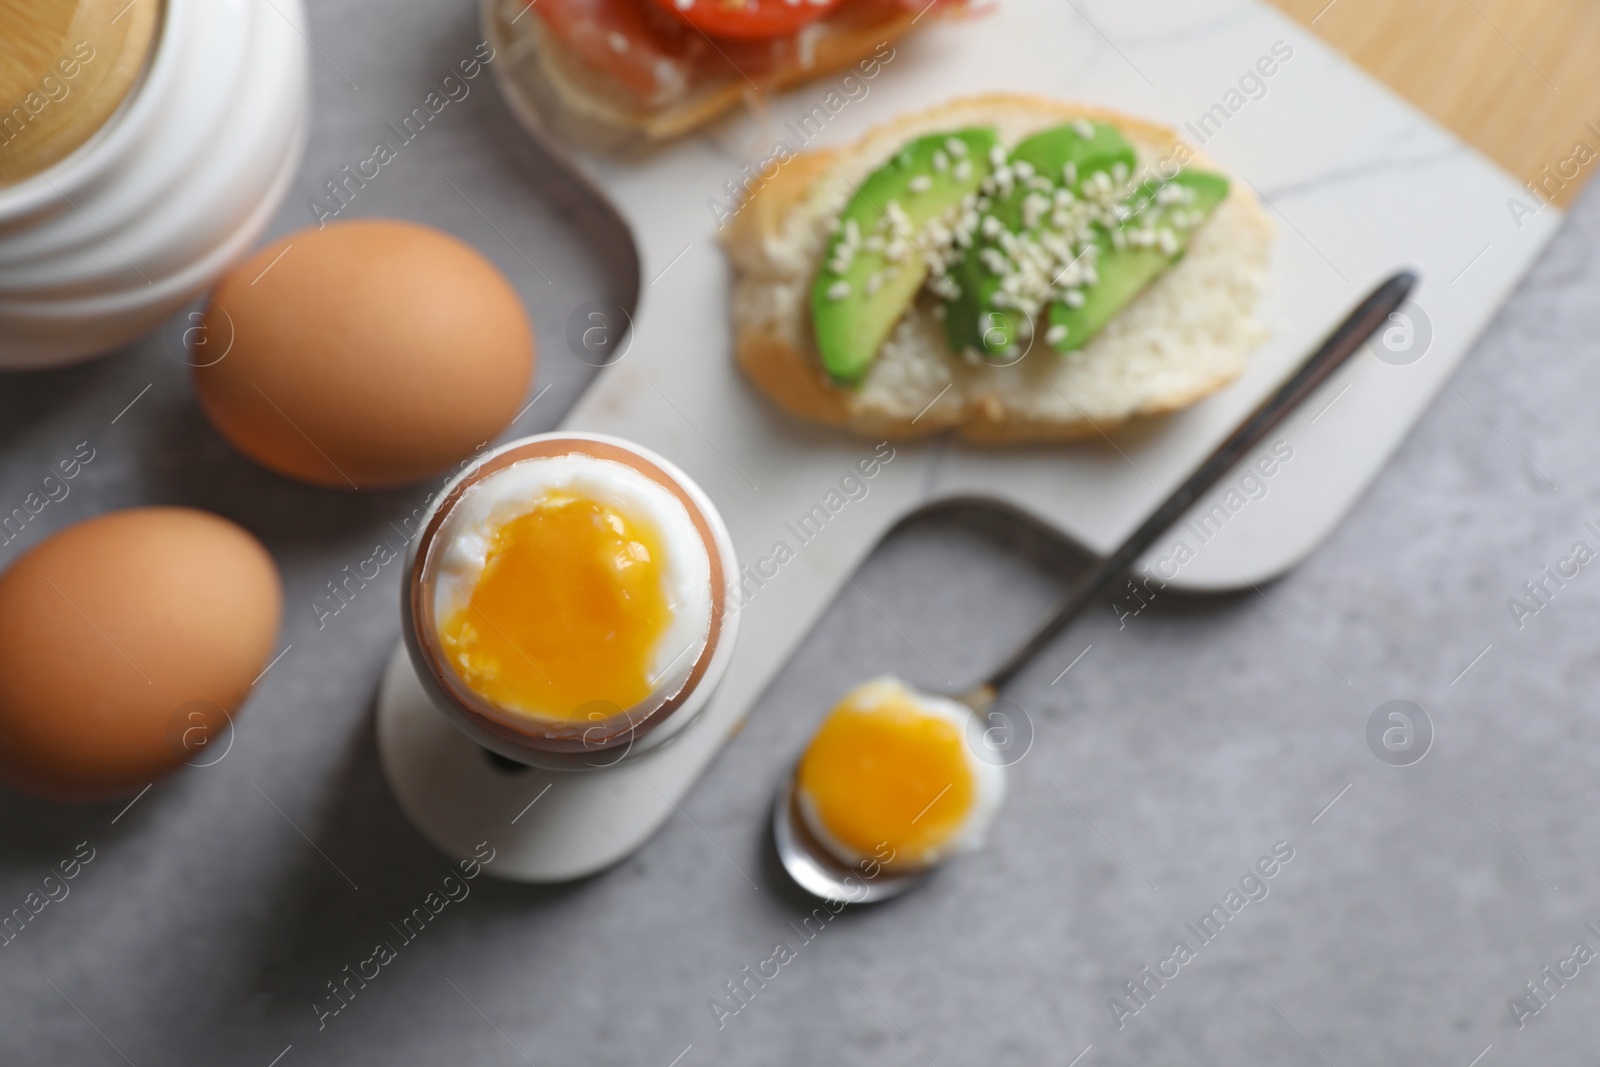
{"x":1125,"y":272}
{"x":974,"y":321}
{"x":861,"y":293}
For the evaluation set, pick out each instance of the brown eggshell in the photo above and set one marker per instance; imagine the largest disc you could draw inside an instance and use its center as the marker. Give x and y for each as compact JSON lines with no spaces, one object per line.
{"x":118,"y":637}
{"x":365,"y":354}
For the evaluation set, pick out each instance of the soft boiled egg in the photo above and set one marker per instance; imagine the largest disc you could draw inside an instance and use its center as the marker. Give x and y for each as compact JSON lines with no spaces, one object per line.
{"x":891,"y":777}
{"x":571,"y":588}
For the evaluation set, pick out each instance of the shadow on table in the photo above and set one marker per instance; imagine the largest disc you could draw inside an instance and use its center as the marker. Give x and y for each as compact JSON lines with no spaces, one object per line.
{"x":327,"y":926}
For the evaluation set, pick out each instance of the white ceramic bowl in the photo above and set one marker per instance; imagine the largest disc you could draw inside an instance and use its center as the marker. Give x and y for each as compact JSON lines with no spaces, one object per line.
{"x":99,"y":249}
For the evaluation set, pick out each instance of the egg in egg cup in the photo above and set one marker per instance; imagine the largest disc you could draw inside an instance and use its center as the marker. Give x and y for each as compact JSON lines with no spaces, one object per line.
{"x":566,"y":610}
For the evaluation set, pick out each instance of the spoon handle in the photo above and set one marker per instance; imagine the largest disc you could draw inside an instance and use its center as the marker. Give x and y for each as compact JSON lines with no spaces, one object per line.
{"x":1350,"y":335}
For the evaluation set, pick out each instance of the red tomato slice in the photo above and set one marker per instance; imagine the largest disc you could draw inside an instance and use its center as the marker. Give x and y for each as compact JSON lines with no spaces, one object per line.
{"x":749,"y":18}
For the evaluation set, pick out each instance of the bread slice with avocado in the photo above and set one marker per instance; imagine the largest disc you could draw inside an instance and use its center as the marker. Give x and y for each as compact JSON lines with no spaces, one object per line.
{"x":1008,"y":266}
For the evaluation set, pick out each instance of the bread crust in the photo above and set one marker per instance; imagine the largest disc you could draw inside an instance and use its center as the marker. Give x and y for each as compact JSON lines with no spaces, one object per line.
{"x":777,"y":351}
{"x":590,"y":95}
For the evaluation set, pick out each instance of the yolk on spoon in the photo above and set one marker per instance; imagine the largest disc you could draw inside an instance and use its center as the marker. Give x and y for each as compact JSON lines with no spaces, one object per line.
{"x":564,"y":619}
{"x":885,"y":772}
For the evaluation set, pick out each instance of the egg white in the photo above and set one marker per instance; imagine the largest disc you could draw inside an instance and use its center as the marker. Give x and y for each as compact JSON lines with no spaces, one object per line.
{"x":469,"y":530}
{"x":989,"y":780}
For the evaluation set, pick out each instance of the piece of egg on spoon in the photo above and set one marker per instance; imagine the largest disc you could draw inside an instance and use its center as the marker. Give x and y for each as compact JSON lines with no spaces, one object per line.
{"x":890,"y":777}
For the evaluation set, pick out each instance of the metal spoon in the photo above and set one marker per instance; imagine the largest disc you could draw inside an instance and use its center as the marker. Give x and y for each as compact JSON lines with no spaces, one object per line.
{"x":818,"y":872}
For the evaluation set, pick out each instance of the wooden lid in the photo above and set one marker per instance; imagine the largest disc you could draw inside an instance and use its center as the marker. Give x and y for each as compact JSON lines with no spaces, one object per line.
{"x":65,"y":66}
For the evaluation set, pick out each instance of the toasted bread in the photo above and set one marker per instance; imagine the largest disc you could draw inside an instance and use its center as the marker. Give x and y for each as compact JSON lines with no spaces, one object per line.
{"x":1186,"y":336}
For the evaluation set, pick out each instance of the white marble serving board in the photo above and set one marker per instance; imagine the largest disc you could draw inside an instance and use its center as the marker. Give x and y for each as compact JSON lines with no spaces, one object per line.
{"x":1360,"y":184}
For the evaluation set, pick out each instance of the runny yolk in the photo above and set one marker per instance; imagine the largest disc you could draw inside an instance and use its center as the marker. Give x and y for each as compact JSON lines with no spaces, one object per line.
{"x":885,"y":774}
{"x":564,"y":620}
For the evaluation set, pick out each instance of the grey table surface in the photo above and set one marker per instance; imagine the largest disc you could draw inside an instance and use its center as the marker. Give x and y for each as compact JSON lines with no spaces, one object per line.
{"x":1178,"y":750}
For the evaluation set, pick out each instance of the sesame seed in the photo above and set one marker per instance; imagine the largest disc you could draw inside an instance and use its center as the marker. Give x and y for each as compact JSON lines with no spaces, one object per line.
{"x":963,"y":171}
{"x":838,"y":290}
{"x":941,"y":162}
{"x":1085,"y":128}
{"x":1033,"y":209}
{"x":1055,"y":335}
{"x":956,"y":147}
{"x":921,"y":183}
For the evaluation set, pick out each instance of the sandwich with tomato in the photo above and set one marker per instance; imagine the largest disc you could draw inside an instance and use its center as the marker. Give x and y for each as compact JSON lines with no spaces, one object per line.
{"x":660,"y":68}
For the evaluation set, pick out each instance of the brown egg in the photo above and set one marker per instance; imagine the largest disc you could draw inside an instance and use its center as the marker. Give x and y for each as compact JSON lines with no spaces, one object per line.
{"x":366,"y":354}
{"x":126,"y":644}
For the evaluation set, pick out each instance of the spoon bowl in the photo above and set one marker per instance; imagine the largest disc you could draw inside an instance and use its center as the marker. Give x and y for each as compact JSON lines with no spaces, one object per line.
{"x":816,"y":871}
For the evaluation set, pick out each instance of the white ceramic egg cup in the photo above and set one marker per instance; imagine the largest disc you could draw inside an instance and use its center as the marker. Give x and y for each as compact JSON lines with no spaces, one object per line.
{"x":549,"y":825}
{"x":97,"y":250}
